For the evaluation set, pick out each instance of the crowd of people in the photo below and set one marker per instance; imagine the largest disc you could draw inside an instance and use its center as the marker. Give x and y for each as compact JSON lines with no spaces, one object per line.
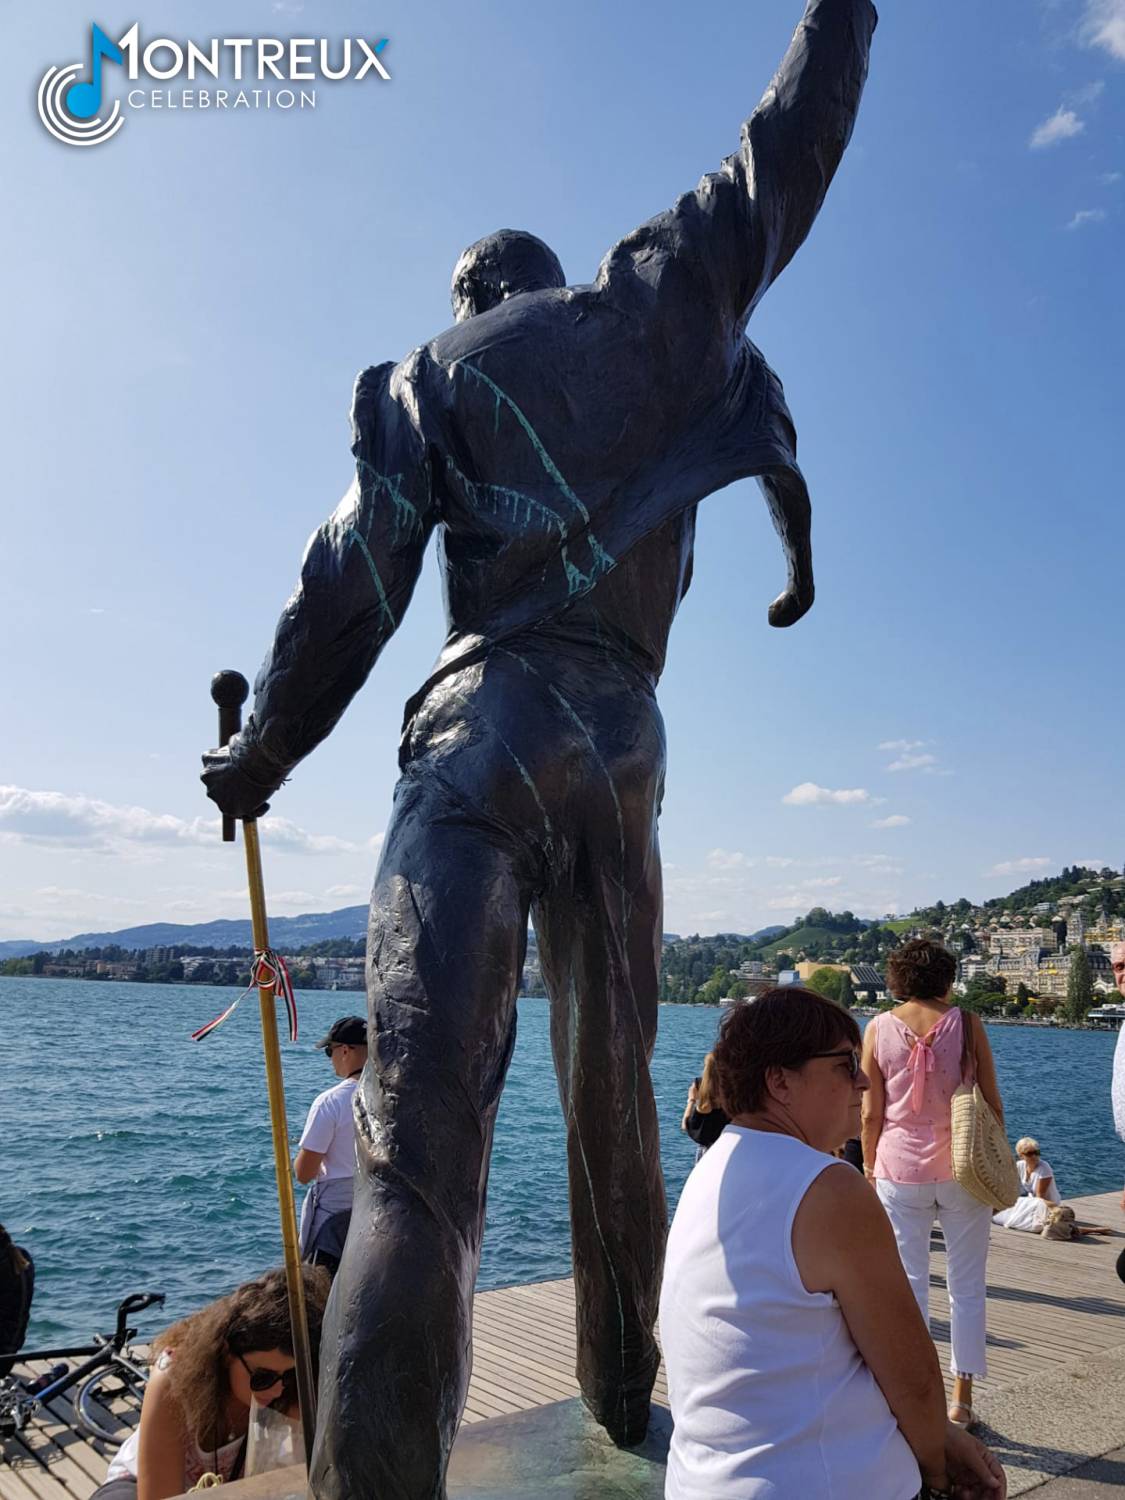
{"x":795,"y":1305}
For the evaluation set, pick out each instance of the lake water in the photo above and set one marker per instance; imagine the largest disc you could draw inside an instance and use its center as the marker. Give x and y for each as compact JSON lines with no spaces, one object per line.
{"x":136,"y":1159}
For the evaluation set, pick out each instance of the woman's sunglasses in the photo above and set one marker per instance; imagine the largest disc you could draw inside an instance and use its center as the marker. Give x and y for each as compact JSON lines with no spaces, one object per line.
{"x":851,"y":1056}
{"x":264,"y":1379}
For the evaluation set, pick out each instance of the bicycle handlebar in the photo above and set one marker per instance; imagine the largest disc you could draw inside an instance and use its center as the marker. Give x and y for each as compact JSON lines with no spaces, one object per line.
{"x":133,"y":1304}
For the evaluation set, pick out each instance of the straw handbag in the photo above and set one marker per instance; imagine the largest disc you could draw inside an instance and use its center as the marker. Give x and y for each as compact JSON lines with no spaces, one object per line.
{"x":982,"y":1159}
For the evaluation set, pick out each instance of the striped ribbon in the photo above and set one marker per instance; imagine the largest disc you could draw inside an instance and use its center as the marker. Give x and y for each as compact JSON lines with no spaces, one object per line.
{"x":268,"y":973}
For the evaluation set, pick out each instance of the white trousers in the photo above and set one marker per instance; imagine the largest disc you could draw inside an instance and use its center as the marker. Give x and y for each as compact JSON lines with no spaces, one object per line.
{"x":966,"y":1224}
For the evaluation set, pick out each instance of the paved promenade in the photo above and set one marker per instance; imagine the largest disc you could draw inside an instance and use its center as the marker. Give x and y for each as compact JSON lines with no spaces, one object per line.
{"x":1054,"y":1398}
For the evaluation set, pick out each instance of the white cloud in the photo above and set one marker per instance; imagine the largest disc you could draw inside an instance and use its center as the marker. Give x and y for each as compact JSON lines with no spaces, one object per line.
{"x":1109,"y":179}
{"x":1062,"y":126}
{"x":1093,"y":864}
{"x":1086,"y":216}
{"x":1103,"y":25}
{"x":880,"y":864}
{"x":1028,"y":866}
{"x":896,"y":820}
{"x":59,"y":820}
{"x":1089,"y":93}
{"x":808,"y":794}
{"x":910,"y":762}
{"x":727,"y":859}
{"x":286,"y":836}
{"x":343,"y":892}
{"x":903,"y":745}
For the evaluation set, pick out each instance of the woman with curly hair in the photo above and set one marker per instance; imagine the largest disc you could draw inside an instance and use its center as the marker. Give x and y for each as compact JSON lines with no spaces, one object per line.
{"x":915,"y":1057}
{"x":798,"y":1364}
{"x":207,"y":1370}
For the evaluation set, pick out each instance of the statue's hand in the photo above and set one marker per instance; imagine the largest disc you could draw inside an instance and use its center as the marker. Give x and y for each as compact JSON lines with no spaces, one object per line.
{"x":229,"y":787}
{"x":789,"y":606}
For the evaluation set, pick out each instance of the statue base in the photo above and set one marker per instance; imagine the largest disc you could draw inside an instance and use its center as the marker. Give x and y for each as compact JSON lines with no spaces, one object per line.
{"x":560,"y":1453}
{"x":555,"y":1452}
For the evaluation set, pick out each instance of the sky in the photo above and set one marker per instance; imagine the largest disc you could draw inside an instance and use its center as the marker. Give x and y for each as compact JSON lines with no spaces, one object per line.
{"x":187,"y":306}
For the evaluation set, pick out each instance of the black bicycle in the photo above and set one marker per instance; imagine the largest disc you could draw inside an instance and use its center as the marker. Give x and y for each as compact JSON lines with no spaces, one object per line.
{"x":108,"y":1386}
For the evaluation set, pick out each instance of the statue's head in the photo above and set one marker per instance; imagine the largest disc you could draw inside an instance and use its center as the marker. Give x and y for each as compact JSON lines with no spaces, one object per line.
{"x":499,"y":266}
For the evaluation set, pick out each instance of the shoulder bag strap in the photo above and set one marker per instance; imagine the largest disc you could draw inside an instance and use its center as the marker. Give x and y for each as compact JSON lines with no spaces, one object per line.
{"x":968,"y":1047}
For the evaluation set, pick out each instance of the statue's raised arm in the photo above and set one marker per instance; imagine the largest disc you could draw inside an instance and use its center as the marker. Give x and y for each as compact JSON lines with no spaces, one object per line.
{"x":742,"y":225}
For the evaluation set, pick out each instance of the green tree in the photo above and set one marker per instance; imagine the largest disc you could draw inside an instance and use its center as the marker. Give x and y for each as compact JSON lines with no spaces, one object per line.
{"x":738,"y":989}
{"x":1079,"y":986}
{"x":711,"y":992}
{"x":784,"y":961}
{"x":983,"y":993}
{"x":826,"y":982}
{"x":847,"y":995}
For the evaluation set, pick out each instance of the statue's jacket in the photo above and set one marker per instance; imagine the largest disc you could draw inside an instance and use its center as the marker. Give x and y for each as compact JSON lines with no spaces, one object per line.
{"x":545,"y":438}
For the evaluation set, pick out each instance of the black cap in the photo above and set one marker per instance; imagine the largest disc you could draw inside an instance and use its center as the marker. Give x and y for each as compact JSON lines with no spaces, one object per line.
{"x":349,"y":1031}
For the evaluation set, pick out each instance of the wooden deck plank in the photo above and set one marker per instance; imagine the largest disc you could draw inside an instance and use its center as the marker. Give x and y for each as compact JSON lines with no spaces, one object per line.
{"x":1050,"y":1305}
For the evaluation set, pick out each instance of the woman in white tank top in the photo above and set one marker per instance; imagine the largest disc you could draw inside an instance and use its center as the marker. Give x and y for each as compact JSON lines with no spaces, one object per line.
{"x":798,"y":1362}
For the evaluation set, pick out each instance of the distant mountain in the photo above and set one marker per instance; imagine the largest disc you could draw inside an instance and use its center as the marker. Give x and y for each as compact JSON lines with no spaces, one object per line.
{"x":285,"y":932}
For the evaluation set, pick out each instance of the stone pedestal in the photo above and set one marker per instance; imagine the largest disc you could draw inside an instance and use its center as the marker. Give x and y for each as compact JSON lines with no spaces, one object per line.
{"x":555,"y":1452}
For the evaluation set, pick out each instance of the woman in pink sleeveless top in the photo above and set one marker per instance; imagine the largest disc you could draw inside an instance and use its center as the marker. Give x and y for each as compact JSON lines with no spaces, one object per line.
{"x":914,"y":1056}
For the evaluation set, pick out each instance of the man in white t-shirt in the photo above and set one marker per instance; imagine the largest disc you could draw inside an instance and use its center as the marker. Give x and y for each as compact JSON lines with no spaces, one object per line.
{"x":326,"y":1151}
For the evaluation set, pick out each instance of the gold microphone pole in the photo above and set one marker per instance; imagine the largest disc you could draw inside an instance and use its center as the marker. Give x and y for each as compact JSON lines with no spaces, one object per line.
{"x":230,"y":690}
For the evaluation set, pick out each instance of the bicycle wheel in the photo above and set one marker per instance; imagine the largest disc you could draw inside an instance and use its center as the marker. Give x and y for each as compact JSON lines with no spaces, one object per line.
{"x":107,"y":1404}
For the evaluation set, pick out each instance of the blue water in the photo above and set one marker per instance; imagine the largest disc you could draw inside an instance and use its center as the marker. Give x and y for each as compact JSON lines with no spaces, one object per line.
{"x":135,"y":1159}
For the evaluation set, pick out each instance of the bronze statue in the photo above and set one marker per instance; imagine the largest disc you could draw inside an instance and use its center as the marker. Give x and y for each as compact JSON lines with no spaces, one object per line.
{"x":558,"y":439}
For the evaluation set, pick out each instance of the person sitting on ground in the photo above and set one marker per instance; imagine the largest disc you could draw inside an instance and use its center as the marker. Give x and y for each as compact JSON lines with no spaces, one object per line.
{"x":17,"y":1285}
{"x":1037,"y":1176}
{"x":704,"y":1117}
{"x":207,"y":1370}
{"x":1039,"y":1191}
{"x":798,"y":1361}
{"x":326,"y":1151}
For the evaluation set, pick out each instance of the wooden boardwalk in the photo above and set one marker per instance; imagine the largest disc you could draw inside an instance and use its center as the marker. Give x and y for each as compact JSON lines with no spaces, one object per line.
{"x":1052,"y":1307}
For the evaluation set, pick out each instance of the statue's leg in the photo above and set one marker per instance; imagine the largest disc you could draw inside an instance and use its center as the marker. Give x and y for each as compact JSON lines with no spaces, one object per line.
{"x":599,"y":942}
{"x":446,"y":945}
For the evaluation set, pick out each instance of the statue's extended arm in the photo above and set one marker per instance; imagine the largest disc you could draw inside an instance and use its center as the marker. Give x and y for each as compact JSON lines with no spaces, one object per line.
{"x":730,"y":238}
{"x":357,"y":576}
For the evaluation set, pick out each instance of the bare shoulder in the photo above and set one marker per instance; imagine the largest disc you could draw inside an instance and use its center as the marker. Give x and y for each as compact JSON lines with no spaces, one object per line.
{"x":840,"y":1221}
{"x":841,"y":1202}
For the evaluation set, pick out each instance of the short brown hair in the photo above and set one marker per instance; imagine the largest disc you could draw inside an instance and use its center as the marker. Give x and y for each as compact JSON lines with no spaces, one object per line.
{"x":782,"y":1028}
{"x":921,"y":970}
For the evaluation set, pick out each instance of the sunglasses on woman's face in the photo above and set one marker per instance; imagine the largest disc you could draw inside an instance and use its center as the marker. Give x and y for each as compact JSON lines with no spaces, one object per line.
{"x":851,"y":1056}
{"x":263,"y":1379}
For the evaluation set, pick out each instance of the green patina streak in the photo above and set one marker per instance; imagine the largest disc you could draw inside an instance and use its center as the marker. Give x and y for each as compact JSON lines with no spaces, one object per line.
{"x":391,"y":485}
{"x":576,"y":580}
{"x":501,"y":496}
{"x":379,"y":589}
{"x":541,"y":453}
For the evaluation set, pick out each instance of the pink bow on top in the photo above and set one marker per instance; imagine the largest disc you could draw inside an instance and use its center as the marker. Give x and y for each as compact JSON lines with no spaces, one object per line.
{"x":922,"y":1061}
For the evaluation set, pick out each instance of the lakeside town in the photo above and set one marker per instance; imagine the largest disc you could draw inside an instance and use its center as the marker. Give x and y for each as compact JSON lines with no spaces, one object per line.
{"x":1040,"y":954}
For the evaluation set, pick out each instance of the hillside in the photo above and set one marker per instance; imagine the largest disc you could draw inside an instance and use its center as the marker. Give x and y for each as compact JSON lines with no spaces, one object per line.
{"x":285,"y":932}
